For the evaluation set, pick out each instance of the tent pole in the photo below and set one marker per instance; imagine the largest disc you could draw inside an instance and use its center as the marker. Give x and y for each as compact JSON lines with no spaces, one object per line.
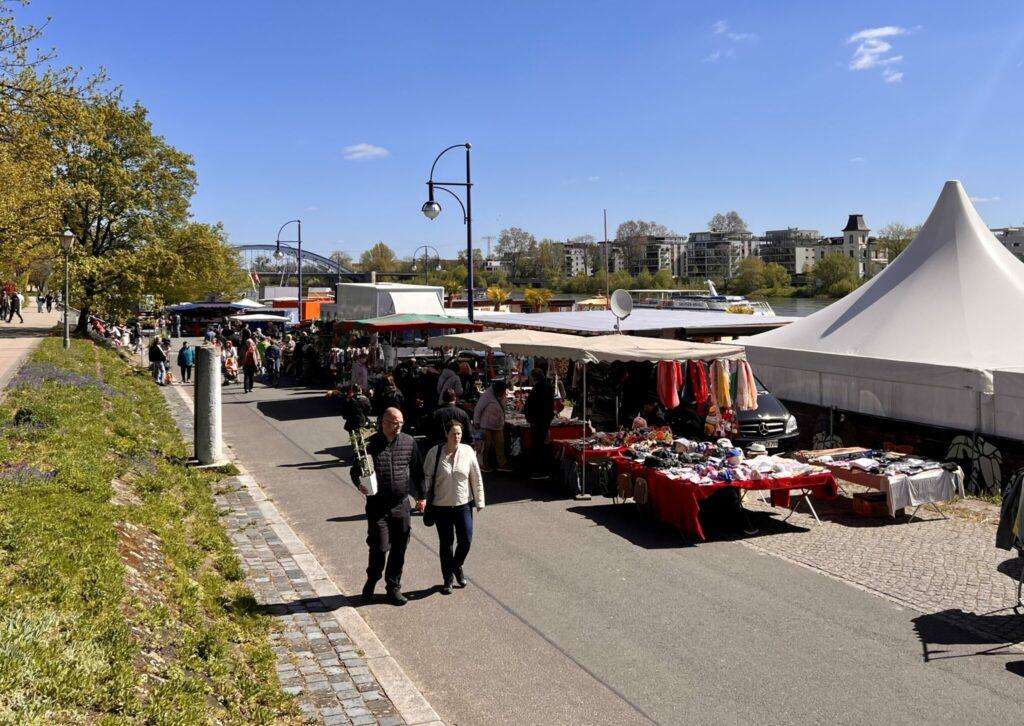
{"x":583,"y":496}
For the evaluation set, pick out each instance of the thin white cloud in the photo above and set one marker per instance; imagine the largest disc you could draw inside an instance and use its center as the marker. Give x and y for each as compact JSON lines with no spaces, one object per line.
{"x":362,"y":152}
{"x":713,"y":57}
{"x":593,"y":178}
{"x":891,"y":76}
{"x":856,"y":159}
{"x":313,"y":209}
{"x":721,"y":27}
{"x":982,"y":200}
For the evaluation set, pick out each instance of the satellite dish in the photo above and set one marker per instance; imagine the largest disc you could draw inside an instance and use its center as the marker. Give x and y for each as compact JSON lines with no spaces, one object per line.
{"x":622,"y":305}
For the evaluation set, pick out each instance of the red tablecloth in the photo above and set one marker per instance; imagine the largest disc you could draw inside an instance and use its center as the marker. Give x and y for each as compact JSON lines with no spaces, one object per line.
{"x":557,"y":433}
{"x":570,"y":449}
{"x":677,"y":502}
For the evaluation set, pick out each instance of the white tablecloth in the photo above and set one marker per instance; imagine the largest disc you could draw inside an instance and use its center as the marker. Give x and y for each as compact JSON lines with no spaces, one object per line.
{"x":937,"y":485}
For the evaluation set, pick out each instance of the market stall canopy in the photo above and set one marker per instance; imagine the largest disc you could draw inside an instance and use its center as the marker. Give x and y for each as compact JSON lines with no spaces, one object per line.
{"x":489,"y":340}
{"x":611,"y":348}
{"x":919,"y":341}
{"x":184,"y":307}
{"x":260,"y":318}
{"x":594,"y":322}
{"x":247,"y":303}
{"x":398,"y":323}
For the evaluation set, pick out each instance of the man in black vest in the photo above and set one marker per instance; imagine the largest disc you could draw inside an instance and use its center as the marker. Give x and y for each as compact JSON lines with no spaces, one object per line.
{"x":399,"y":469}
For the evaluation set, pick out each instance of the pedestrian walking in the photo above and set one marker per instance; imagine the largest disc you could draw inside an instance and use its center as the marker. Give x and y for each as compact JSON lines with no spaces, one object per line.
{"x":399,"y":472}
{"x":489,"y":418}
{"x":40,"y":301}
{"x":49,"y":302}
{"x":455,"y":489}
{"x":250,"y":364}
{"x":5,"y":305}
{"x":449,"y":380}
{"x":539,"y":410}
{"x":177,"y":325}
{"x":272,"y":362}
{"x":355,"y":409}
{"x":186,"y":361}
{"x":442,"y":418}
{"x":157,"y":361}
{"x":15,"y":307}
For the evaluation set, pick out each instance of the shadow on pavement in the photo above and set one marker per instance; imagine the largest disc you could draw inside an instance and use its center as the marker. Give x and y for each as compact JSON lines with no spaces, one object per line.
{"x":297,"y":409}
{"x":502,"y":488}
{"x":347,"y":518}
{"x":307,"y":605}
{"x":625,"y":521}
{"x":999,"y":630}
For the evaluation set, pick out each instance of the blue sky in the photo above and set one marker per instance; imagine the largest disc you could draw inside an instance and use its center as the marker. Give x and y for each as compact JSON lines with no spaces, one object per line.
{"x":793,"y":114}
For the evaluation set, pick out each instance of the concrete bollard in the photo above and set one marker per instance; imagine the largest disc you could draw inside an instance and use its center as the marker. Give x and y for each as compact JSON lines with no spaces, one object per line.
{"x":207,"y":406}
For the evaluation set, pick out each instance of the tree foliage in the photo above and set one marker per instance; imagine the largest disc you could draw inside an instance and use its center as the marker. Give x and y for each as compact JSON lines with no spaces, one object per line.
{"x":750,"y":275}
{"x":538,"y":297}
{"x":379,"y":258}
{"x":728,"y":222}
{"x":498,"y":295}
{"x":516,"y":248}
{"x":776,"y":277}
{"x":631,"y":238}
{"x":896,"y":237}
{"x":835,"y":275}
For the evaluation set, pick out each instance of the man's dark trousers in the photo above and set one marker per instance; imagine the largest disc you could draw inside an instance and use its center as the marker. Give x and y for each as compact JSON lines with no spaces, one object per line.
{"x":387,"y":537}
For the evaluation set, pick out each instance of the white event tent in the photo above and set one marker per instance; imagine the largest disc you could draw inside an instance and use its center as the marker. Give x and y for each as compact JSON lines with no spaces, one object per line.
{"x":922,"y":341}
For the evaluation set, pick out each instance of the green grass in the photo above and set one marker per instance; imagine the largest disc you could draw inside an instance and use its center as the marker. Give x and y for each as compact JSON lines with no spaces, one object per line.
{"x":69,"y":649}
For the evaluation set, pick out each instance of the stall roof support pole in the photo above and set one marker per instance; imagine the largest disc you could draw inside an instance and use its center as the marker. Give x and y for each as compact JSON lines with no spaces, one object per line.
{"x":583,"y":496}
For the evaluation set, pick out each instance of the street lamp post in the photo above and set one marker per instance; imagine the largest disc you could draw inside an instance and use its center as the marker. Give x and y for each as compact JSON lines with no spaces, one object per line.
{"x":426,"y":266}
{"x":431,"y":209}
{"x":67,"y":240}
{"x":298,"y":256}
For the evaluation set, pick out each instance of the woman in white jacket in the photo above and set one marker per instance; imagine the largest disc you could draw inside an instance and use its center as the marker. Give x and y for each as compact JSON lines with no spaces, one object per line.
{"x":456,"y":489}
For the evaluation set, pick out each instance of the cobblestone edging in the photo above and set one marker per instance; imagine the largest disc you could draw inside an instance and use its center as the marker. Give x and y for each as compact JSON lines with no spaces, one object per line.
{"x":946,"y":568}
{"x":326,"y":654}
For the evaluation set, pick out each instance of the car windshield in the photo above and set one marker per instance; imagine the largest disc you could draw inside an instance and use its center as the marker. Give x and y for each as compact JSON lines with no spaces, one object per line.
{"x":760,"y":386}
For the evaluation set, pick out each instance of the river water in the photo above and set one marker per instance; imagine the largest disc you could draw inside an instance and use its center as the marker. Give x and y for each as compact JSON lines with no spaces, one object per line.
{"x":797,"y":307}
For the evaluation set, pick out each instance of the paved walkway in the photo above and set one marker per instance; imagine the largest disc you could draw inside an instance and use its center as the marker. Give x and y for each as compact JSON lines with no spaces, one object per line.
{"x":18,"y":340}
{"x":947,"y":569}
{"x":326,"y":654}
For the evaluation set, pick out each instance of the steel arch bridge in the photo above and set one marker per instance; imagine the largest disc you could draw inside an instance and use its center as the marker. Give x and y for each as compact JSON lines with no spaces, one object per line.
{"x":259,"y":258}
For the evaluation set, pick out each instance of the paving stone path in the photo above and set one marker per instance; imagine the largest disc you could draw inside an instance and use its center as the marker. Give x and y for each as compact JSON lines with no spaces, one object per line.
{"x":946,"y":567}
{"x":316,"y":659}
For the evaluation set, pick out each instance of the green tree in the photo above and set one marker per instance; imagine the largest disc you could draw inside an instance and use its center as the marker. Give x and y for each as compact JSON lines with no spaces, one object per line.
{"x":550,"y":262}
{"x":663,"y":280}
{"x":498,"y":295}
{"x":776,"y":276}
{"x":643,"y":281}
{"x":538,"y":297}
{"x":728,"y":222}
{"x":343,"y":258}
{"x":631,"y":237}
{"x":896,"y":237}
{"x":749,"y":275}
{"x":835,"y":275}
{"x":517,"y":249}
{"x":219,"y":272}
{"x":127,"y":190}
{"x":620,"y":279}
{"x":379,"y":258}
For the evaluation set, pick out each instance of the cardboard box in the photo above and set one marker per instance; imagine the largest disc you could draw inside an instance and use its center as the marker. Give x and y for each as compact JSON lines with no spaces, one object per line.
{"x":870,"y":504}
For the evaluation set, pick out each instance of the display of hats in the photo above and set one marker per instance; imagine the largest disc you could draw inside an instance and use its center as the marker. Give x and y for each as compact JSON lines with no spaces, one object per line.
{"x":757,"y":449}
{"x":724,"y":444}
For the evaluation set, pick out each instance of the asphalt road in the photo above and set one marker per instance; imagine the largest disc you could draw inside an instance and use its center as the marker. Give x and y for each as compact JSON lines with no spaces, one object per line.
{"x":584,"y":613}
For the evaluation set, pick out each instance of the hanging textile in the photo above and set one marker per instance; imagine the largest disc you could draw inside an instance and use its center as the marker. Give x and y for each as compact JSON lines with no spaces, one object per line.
{"x":669,"y":378}
{"x":697,"y":383}
{"x":746,"y":387}
{"x":720,"y":384}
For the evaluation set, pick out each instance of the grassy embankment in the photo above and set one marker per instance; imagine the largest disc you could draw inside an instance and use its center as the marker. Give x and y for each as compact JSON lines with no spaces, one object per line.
{"x":121,"y":599}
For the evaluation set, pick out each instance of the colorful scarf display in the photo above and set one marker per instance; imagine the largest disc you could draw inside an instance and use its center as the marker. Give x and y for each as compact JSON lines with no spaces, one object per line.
{"x":669,"y":381}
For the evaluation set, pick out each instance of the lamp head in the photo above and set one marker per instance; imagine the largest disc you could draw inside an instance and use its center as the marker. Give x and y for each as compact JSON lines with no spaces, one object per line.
{"x":431,"y":209}
{"x":67,"y":239}
{"x":278,"y":254}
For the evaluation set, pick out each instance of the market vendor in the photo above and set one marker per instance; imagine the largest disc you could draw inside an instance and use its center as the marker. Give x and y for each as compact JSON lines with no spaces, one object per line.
{"x":539,"y":410}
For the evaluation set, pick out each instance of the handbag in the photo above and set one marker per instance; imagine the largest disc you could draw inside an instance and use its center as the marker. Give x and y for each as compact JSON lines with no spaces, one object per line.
{"x":428,"y":511}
